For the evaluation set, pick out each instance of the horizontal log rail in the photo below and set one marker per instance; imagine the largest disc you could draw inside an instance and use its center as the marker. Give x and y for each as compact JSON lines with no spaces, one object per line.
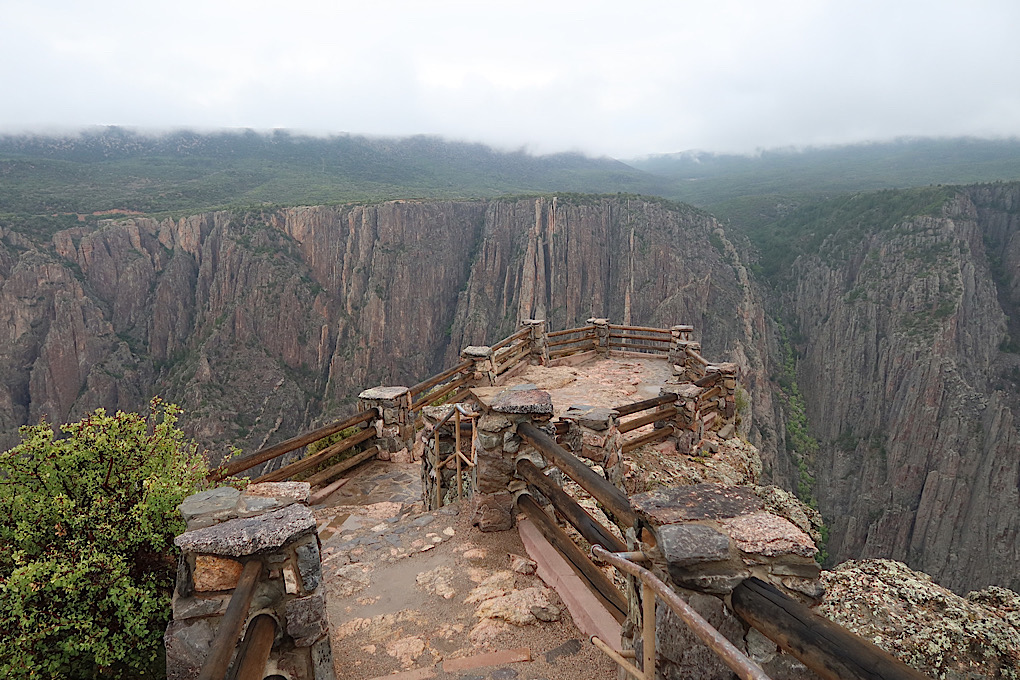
{"x":253,"y":652}
{"x":229,"y":632}
{"x":570,"y":350}
{"x":581,"y":329}
{"x":590,"y":575}
{"x":262,"y":455}
{"x":513,"y":361}
{"x":640,"y":329}
{"x":709,"y":379}
{"x":638,"y":406}
{"x":649,"y":338}
{"x":571,"y":510}
{"x":831,"y":651}
{"x":308,"y":462}
{"x":614,"y":500}
{"x":646,"y":419}
{"x":697,"y":357}
{"x":439,"y":394}
{"x":441,"y":377}
{"x":654,"y":436}
{"x":713,"y":639}
{"x":510,"y":338}
{"x":333,"y":471}
{"x":633,"y":345}
{"x":571,"y":341}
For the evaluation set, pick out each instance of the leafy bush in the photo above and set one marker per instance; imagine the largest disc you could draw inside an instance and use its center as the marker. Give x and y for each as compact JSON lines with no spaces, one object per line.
{"x":88,"y":522}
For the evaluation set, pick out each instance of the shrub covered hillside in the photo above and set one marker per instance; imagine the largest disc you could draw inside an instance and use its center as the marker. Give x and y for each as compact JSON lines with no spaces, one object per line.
{"x":87,"y":521}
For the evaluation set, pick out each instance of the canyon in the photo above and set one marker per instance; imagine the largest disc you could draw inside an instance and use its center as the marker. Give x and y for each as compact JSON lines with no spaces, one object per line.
{"x":261,"y":323}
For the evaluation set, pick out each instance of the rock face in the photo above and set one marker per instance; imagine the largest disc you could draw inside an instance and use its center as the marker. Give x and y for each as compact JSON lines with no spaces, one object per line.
{"x":911,"y":394}
{"x":260,"y":323}
{"x":926,"y":626}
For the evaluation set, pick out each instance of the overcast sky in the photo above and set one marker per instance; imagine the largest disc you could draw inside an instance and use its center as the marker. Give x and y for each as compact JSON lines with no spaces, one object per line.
{"x":614,"y":78}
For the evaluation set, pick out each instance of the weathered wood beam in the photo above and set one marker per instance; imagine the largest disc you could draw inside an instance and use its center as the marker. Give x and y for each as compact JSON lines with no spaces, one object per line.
{"x":605,"y":493}
{"x":229,"y":631}
{"x":586,"y":525}
{"x":634,"y":407}
{"x":262,"y":455}
{"x":438,"y":378}
{"x":324,"y":476}
{"x":654,"y":436}
{"x":825,"y":647}
{"x":308,"y":462}
{"x":664,"y":414}
{"x":591,"y":575}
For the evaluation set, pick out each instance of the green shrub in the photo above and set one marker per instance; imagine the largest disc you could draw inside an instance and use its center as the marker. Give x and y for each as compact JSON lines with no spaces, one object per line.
{"x":87,"y":522}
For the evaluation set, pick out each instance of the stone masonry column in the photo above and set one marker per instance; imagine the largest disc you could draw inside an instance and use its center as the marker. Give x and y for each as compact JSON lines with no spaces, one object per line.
{"x":687,"y":422}
{"x":226,"y":529}
{"x":601,"y":336}
{"x":497,"y":448}
{"x":485,"y":367}
{"x":539,"y":341}
{"x":395,"y":426}
{"x":597,"y":439}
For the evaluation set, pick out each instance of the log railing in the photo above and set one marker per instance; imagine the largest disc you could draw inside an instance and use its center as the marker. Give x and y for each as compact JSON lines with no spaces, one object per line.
{"x":292,"y":444}
{"x":229,"y":632}
{"x":582,"y":340}
{"x":643,"y":339}
{"x":651,"y":589}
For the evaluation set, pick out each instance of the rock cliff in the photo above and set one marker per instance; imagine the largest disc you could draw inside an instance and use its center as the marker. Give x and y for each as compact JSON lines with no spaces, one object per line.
{"x":910,"y":379}
{"x":259,"y":323}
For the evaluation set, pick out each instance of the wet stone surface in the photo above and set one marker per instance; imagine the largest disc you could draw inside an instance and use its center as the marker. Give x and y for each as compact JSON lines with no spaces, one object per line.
{"x":698,"y":502}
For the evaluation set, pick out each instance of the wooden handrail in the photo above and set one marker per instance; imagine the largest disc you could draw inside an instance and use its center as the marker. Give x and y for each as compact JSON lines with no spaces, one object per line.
{"x":646,"y":419}
{"x":429,"y":398}
{"x":590,"y":574}
{"x":570,"y":341}
{"x":262,"y":455}
{"x":222,"y":648}
{"x":640,"y":329}
{"x":605,"y":493}
{"x":253,"y":652}
{"x":440,"y":377}
{"x":831,"y":651}
{"x":510,"y":338}
{"x":637,"y":406}
{"x":649,"y":338}
{"x":586,"y":525}
{"x":311,"y":461}
{"x":654,"y":436}
{"x":713,"y":639}
{"x":568,"y":331}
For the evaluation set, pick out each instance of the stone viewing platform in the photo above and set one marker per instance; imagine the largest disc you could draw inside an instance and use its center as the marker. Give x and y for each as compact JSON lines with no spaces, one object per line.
{"x":456,"y":524}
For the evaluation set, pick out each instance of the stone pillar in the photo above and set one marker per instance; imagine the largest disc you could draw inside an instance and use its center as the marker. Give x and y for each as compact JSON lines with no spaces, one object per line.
{"x":485,"y":367}
{"x":601,"y":336}
{"x":687,"y":421}
{"x":685,"y":367}
{"x":395,"y":426}
{"x":679,"y":337}
{"x":497,"y":448}
{"x":226,"y":529}
{"x":706,"y":539}
{"x":717,"y":401}
{"x":539,"y":340}
{"x":598,"y":439}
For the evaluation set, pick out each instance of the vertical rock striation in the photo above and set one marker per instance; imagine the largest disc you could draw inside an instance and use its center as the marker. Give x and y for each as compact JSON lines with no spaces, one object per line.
{"x":911,"y":394}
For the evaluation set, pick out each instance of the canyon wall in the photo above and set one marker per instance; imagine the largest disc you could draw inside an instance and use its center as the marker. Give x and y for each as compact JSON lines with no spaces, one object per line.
{"x":910,"y":381}
{"x":261,"y":323}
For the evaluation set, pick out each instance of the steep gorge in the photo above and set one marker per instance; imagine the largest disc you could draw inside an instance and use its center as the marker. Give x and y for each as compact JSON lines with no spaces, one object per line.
{"x":261,"y":323}
{"x":910,"y":390}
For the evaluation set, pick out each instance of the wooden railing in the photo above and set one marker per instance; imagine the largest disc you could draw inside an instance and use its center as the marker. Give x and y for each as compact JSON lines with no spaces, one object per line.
{"x":643,"y":339}
{"x":565,"y":346}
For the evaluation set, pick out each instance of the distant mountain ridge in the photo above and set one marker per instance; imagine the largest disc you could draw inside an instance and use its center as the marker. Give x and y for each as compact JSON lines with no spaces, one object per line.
{"x":186,"y":171}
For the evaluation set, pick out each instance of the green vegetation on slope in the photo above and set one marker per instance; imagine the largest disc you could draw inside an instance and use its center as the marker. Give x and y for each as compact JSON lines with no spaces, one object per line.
{"x":186,"y":172}
{"x":88,"y":522}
